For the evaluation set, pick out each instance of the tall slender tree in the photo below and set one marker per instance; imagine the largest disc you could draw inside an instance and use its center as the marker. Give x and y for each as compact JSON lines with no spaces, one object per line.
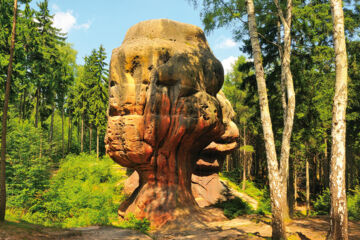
{"x":4,"y":120}
{"x":338,"y":212}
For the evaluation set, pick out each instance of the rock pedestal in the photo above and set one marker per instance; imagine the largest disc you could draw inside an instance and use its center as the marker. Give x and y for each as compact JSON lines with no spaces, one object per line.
{"x":165,"y":114}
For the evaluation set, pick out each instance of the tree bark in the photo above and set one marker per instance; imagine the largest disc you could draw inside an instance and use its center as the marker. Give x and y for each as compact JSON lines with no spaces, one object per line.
{"x":307,"y":188}
{"x":244,"y":162}
{"x":295,"y":189}
{"x":4,"y":121}
{"x":326,"y":165}
{"x":338,"y":212}
{"x":286,"y":76}
{"x":82,"y":134}
{"x":90,"y":137}
{"x":62,"y":132}
{"x":52,"y":127}
{"x":97,"y":143}
{"x":37,"y":107}
{"x":69,"y":133}
{"x":277,"y":193}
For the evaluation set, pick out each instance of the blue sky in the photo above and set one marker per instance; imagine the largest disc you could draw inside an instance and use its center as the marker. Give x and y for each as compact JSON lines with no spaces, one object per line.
{"x":91,"y":23}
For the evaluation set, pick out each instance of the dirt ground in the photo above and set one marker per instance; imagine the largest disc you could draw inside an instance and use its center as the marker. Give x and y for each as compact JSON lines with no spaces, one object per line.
{"x":244,"y":227}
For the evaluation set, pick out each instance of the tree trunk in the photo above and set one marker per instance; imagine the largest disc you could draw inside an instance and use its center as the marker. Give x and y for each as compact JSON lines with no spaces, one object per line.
{"x":244,"y":162}
{"x":37,"y":107}
{"x":82,"y":133}
{"x":307,"y":188}
{"x":97,"y":143}
{"x":326,"y":165}
{"x":338,"y":212}
{"x":4,"y":121}
{"x":69,"y":133}
{"x":277,"y":193}
{"x":291,"y":188}
{"x":295,"y":189}
{"x":52,"y":127}
{"x":24,"y":105}
{"x":62,"y":132}
{"x":90,"y":137}
{"x":290,"y":93}
{"x":40,"y":147}
{"x":227,"y":162}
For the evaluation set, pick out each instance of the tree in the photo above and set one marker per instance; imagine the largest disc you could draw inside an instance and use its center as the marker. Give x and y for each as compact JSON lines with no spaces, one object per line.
{"x":4,"y":120}
{"x":221,"y":13}
{"x":97,"y":90}
{"x":338,"y":212}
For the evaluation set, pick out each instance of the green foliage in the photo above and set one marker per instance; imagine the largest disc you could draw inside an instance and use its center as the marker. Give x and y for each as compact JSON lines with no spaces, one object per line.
{"x":354,"y":204}
{"x":84,"y":191}
{"x":27,"y":173}
{"x":260,"y":195}
{"x":234,"y":207}
{"x":322,"y":203}
{"x":143,"y":225}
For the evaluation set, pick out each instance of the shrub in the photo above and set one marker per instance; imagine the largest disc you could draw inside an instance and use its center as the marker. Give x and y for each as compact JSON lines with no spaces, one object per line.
{"x":132,"y":222}
{"x":322,"y":203}
{"x":354,"y":204}
{"x":260,"y":195}
{"x":234,"y":207}
{"x":84,"y":191}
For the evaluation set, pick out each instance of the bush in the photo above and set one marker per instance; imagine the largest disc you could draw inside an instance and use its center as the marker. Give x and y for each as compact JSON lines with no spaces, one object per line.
{"x":354,"y":204}
{"x":234,"y":207}
{"x":84,"y":191}
{"x":132,"y":222}
{"x":27,"y":174}
{"x":260,"y":195}
{"x":322,"y":203}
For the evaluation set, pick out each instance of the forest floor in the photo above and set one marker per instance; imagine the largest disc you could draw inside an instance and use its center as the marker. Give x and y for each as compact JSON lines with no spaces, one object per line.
{"x":244,"y":227}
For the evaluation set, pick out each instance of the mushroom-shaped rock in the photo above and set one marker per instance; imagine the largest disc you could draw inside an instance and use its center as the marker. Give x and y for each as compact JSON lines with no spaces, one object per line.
{"x":164,"y":111}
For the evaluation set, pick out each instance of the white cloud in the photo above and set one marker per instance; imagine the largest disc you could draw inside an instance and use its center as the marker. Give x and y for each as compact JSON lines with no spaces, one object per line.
{"x":226,"y":43}
{"x":228,"y":64}
{"x":67,"y":21}
{"x":83,"y":26}
{"x":64,"y":21}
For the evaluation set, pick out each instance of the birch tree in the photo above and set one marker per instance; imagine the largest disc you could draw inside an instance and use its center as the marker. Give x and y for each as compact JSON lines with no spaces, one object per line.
{"x":338,"y":212}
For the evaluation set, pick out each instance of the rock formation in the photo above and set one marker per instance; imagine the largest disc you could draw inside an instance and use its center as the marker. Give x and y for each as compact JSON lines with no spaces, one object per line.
{"x":167,"y":119}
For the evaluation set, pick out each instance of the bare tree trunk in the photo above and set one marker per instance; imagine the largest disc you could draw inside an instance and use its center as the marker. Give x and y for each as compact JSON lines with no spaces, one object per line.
{"x":227,"y":162}
{"x":4,"y":121}
{"x":22,"y":116}
{"x":291,"y":188}
{"x":326,"y":165}
{"x":97,"y":143}
{"x":295,"y":189}
{"x":82,"y":134}
{"x":277,"y":193}
{"x":40,"y":147}
{"x":69,"y":133}
{"x":307,"y":188}
{"x":286,"y":76}
{"x":244,"y":162}
{"x":338,"y":212}
{"x":62,"y":132}
{"x":52,"y":127}
{"x":37,"y":107}
{"x":90,"y":138}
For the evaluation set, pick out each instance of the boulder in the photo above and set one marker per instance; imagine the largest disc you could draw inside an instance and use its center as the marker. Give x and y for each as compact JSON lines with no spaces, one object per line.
{"x":165,"y":114}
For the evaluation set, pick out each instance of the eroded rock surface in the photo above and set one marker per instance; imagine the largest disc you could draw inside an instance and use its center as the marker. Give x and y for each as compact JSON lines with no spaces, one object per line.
{"x":167,"y":119}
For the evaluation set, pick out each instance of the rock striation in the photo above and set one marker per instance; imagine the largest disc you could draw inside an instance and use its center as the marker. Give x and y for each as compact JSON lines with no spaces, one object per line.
{"x":167,"y":117}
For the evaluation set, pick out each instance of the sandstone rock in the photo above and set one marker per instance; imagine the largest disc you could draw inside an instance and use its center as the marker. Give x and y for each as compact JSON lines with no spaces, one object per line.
{"x":165,"y":114}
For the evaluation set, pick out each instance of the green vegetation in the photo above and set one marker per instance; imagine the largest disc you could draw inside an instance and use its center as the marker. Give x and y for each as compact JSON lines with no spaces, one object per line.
{"x":84,"y":191}
{"x":234,"y":207}
{"x":322,"y":203}
{"x":260,"y":195}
